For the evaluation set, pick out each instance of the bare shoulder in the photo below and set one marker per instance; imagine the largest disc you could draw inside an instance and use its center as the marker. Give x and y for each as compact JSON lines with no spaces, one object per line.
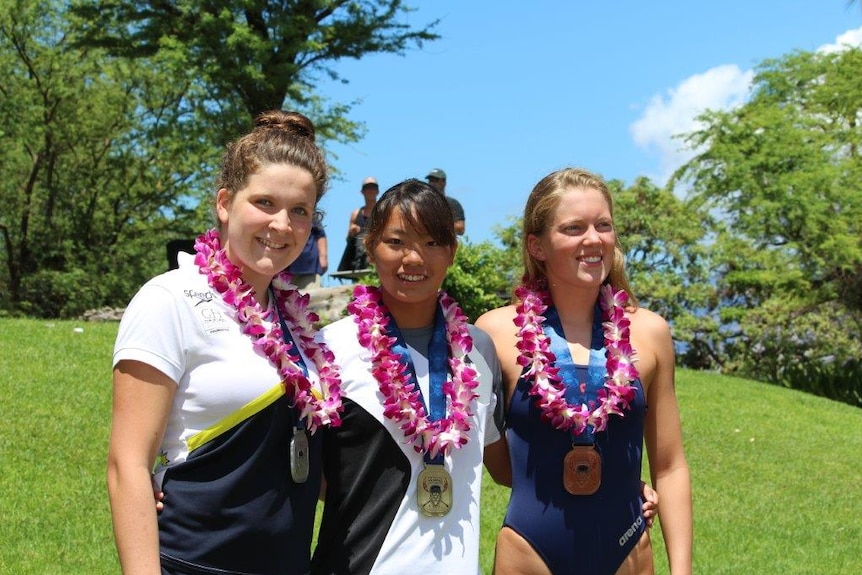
{"x":497,"y":321}
{"x":648,"y":323}
{"x":499,"y":325}
{"x":651,"y":339}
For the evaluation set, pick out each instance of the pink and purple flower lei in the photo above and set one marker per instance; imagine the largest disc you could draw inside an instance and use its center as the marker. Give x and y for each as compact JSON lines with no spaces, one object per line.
{"x":535,"y":354}
{"x":402,"y":401}
{"x":267,"y":336}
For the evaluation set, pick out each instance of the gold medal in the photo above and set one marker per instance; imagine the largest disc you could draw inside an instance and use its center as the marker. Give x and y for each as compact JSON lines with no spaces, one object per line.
{"x":299,"y":455}
{"x":434,"y":491}
{"x":582,"y":470}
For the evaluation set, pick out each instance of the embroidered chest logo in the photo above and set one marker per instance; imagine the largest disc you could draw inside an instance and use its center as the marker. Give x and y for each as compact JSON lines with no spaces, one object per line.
{"x":199,"y":296}
{"x":212,"y":319}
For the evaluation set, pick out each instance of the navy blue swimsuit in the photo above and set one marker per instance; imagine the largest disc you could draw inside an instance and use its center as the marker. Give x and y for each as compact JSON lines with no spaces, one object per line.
{"x":590,"y":535}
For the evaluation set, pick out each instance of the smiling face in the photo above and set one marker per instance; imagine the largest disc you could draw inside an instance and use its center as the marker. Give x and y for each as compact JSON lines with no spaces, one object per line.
{"x":577,"y":247}
{"x":411,"y":266}
{"x":265,"y":225}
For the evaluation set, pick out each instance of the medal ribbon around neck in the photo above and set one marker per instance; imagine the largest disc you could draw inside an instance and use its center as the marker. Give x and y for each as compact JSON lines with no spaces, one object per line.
{"x":299,"y":448}
{"x":296,"y":358}
{"x":438,"y":354}
{"x":538,"y":363}
{"x":268,"y":336}
{"x":566,"y":370}
{"x":402,"y":399}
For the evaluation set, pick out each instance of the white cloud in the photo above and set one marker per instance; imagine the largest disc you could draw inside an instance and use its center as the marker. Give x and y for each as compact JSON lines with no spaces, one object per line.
{"x":849,"y":38}
{"x":674,"y":113}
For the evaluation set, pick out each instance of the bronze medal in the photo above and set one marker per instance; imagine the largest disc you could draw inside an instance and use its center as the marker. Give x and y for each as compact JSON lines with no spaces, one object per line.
{"x":582,"y":470}
{"x":299,"y":455}
{"x":434,"y":491}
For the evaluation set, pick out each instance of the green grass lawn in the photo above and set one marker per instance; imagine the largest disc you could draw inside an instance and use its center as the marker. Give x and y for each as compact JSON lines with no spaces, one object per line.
{"x":776,"y":473}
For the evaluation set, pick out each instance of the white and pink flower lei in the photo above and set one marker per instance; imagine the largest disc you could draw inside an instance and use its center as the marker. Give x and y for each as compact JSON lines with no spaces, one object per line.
{"x":402,"y":399}
{"x":267,"y":336}
{"x":534,"y":352}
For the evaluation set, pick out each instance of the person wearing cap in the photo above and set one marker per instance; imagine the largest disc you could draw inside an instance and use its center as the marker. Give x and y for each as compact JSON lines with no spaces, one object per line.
{"x":354,"y":257}
{"x":437,"y":179}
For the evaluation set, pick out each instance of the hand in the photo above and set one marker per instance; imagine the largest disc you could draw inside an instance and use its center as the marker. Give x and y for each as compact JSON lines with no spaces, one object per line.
{"x":158,"y":496}
{"x":650,"y":507}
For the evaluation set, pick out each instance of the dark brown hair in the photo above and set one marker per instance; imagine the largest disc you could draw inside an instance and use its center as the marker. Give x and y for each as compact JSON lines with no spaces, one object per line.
{"x":278,"y":137}
{"x":422,"y":207}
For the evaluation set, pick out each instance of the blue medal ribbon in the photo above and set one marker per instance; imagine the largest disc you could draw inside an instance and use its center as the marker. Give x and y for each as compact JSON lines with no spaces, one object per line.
{"x":438,"y":368}
{"x":596,"y":371}
{"x":288,"y":338}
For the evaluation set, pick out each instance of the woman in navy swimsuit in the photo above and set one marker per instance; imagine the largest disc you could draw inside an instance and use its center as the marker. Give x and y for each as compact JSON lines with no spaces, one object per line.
{"x":589,"y":377}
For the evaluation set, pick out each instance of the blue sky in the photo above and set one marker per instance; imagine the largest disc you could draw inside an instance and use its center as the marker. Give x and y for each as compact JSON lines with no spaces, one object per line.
{"x":514,"y":90}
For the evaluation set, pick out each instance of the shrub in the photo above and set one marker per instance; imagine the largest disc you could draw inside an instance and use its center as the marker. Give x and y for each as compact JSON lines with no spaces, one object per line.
{"x":58,"y":294}
{"x":480,"y":279}
{"x":841,"y":381}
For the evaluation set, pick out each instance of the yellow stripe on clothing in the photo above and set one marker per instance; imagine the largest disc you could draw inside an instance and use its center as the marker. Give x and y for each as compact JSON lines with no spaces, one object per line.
{"x":254,"y":406}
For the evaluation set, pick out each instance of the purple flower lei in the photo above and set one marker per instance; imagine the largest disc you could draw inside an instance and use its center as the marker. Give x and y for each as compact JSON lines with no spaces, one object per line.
{"x":401,"y":401}
{"x":535,"y":354}
{"x":226,"y":279}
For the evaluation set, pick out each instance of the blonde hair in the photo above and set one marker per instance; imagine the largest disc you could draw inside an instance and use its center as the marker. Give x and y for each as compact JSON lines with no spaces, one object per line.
{"x":539,"y":211}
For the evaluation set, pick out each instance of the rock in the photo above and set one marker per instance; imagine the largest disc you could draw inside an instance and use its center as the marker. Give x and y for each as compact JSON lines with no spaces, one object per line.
{"x":330,"y":303}
{"x":104,"y":314}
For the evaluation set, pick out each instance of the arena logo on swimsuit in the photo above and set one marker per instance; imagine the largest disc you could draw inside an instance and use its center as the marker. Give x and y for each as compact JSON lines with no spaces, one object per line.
{"x":631,"y":530}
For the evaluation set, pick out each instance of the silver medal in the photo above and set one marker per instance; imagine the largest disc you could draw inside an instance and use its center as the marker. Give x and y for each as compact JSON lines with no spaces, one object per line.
{"x":299,"y":455}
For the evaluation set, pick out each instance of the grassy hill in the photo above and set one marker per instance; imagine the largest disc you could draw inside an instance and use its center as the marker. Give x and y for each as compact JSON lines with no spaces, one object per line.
{"x":776,"y":473}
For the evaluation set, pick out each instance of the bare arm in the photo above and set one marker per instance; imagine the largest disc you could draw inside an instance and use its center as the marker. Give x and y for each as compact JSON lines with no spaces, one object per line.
{"x":497,"y":462}
{"x":142,"y":402}
{"x":323,"y":255}
{"x":663,"y":434}
{"x":498,"y":325}
{"x":352,"y":227}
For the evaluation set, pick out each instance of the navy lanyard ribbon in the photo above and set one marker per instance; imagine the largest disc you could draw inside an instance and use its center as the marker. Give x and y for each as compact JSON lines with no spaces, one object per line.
{"x":288,"y":338}
{"x":438,"y":368}
{"x":596,"y":372}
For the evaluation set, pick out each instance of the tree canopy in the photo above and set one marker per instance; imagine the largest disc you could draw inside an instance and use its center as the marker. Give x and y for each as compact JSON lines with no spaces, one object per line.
{"x":257,"y":53}
{"x":99,"y":166}
{"x":781,"y":179}
{"x":114,"y":114}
